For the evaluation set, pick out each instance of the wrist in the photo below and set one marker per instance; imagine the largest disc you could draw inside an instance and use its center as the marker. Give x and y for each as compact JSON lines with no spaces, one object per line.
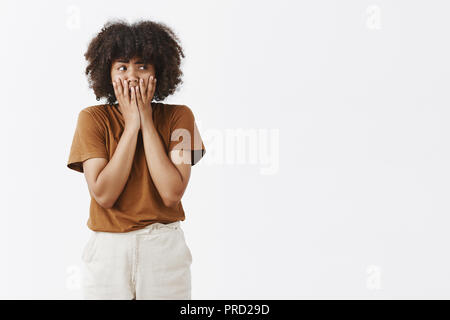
{"x":146,"y":120}
{"x":132,"y":128}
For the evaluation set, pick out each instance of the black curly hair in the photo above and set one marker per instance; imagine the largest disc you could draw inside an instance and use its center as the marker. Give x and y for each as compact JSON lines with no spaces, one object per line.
{"x":154,"y":42}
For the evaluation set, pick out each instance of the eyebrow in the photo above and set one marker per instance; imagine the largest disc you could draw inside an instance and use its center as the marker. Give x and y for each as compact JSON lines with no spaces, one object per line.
{"x":126,"y":61}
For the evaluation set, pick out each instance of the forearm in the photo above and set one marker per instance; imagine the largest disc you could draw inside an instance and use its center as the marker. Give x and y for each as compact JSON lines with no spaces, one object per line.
{"x":113,"y":177}
{"x":165,"y":175}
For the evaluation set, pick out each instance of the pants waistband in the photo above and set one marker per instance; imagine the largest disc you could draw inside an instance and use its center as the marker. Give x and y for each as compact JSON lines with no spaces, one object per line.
{"x":148,"y":229}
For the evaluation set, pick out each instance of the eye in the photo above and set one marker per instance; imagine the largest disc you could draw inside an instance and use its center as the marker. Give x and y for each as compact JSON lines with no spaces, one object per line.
{"x":124,"y":67}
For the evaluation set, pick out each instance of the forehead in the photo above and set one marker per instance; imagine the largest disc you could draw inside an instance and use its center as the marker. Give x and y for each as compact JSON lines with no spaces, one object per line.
{"x":135,"y":60}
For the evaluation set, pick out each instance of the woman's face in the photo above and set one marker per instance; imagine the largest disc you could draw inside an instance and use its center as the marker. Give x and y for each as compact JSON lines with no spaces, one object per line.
{"x":131,"y":71}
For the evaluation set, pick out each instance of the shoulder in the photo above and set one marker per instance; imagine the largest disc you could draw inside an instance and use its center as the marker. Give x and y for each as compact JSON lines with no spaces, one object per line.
{"x":171,"y":113}
{"x":98,"y":113}
{"x":180,"y":110}
{"x":173,"y":108}
{"x":96,"y":110}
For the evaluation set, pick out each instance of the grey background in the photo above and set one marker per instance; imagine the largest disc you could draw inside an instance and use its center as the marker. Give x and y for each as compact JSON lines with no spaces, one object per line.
{"x":352,"y":95}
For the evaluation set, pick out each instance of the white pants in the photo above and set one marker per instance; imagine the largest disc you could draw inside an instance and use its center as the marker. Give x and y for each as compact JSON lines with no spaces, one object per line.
{"x":150,"y":263}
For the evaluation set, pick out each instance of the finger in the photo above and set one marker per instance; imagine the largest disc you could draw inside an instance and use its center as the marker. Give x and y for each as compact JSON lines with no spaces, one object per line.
{"x":148,"y":90}
{"x":133,"y":96}
{"x":153,"y":88}
{"x":115,"y":88}
{"x":116,"y":85}
{"x":125,"y":91}
{"x":136,"y":91}
{"x":139,"y":100}
{"x":119,"y":87}
{"x":142,"y":90}
{"x":136,"y":101}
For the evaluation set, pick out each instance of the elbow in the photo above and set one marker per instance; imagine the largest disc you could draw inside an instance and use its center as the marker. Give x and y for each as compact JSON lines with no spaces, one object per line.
{"x":104,"y":202}
{"x":106,"y":205}
{"x":102,"y":198}
{"x":172,"y":200}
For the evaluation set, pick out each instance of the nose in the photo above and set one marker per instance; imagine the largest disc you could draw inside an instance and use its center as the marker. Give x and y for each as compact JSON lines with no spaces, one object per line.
{"x":132,"y":82}
{"x":132,"y":78}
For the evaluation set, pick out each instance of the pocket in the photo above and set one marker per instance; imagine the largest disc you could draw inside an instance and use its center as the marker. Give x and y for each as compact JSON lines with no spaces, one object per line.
{"x":88,"y":251}
{"x":187,"y":250}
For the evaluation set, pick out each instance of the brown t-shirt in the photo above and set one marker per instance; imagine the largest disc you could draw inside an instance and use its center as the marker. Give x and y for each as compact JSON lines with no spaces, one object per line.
{"x":97,"y":134}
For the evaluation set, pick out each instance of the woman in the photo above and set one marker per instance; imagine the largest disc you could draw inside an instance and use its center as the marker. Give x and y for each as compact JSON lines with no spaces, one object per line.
{"x":135,"y":164}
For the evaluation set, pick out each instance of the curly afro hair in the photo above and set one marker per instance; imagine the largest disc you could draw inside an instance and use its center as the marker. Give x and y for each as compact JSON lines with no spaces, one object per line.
{"x":154,"y":42}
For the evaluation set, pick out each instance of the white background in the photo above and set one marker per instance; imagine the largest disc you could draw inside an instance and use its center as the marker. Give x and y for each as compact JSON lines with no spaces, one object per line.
{"x":352,"y":97}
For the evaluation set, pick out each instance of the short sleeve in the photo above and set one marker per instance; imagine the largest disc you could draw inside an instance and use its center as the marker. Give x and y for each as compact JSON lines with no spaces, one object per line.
{"x":88,"y":141}
{"x":184,"y":134}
